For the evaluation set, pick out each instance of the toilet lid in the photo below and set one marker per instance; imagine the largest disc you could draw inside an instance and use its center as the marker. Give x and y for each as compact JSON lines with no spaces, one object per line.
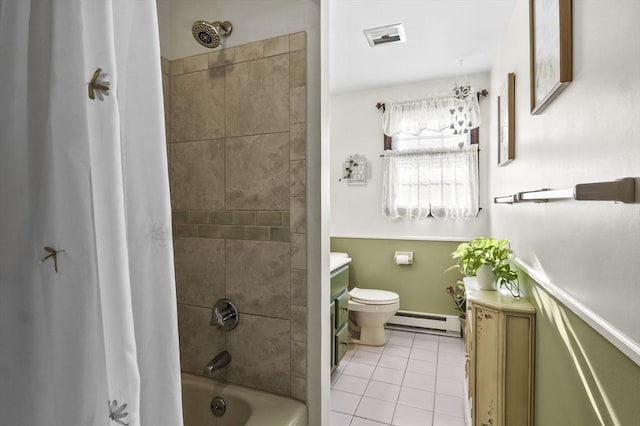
{"x":373,"y":297}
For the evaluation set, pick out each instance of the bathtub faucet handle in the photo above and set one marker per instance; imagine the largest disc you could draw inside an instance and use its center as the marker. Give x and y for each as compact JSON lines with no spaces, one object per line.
{"x":225,"y":315}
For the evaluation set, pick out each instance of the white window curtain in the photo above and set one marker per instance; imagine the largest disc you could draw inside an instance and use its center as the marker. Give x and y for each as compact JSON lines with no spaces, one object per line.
{"x":442,"y":183}
{"x":438,"y":113}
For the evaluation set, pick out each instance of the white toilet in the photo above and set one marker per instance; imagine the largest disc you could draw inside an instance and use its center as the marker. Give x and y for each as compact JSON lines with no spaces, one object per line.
{"x":372,"y":309}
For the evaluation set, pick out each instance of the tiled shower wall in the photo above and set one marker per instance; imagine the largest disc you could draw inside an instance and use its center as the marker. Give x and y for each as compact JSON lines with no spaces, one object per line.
{"x":236,"y":144}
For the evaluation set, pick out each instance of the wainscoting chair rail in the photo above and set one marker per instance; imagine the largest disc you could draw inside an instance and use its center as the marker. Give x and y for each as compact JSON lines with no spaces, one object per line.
{"x":625,"y":190}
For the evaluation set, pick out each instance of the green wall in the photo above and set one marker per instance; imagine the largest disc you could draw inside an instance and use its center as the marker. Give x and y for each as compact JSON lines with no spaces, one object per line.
{"x":421,"y":286}
{"x":580,"y":378}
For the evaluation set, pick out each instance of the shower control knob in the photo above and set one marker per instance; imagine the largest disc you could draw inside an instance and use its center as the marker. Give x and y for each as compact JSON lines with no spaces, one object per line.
{"x":225,"y":315}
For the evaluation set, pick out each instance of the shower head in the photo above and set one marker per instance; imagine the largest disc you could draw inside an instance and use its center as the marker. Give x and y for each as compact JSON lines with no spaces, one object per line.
{"x":209,"y":34}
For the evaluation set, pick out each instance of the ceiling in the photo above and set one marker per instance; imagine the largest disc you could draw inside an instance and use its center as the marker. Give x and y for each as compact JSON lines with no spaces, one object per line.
{"x":445,"y":38}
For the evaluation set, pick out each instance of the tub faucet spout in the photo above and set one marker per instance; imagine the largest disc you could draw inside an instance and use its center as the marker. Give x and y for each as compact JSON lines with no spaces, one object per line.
{"x":219,"y":361}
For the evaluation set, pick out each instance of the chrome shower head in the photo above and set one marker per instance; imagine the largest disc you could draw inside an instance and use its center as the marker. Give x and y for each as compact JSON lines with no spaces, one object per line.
{"x":209,"y":34}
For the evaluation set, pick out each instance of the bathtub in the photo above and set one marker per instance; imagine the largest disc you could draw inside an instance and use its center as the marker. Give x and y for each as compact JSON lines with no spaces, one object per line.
{"x":244,"y":406}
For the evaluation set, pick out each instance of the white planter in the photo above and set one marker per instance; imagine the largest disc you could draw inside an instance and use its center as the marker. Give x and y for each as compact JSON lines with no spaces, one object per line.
{"x":486,"y":279}
{"x":470,"y":282}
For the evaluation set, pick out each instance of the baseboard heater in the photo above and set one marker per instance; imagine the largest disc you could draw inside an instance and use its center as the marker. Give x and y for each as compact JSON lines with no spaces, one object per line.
{"x":425,"y":323}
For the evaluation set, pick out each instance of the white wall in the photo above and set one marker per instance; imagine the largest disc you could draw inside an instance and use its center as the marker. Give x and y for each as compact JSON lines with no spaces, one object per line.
{"x":356,"y":128}
{"x":589,"y":133}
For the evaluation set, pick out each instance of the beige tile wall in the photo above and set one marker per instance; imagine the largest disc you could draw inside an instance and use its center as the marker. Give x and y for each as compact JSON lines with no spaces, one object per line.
{"x":236,"y":137}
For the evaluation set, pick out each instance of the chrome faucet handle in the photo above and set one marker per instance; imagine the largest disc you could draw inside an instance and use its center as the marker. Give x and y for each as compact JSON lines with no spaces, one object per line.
{"x":225,"y":315}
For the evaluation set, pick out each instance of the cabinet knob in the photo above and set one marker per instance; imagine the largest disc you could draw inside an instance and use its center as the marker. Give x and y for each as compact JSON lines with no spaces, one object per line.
{"x":344,"y":343}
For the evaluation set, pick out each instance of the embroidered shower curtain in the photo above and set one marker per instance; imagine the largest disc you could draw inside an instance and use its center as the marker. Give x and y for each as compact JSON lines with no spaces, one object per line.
{"x":88,"y":329}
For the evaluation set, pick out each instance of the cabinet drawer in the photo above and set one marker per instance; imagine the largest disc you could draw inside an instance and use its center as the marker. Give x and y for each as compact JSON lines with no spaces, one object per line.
{"x":342,"y":309}
{"x":332,"y":334}
{"x":341,"y":343}
{"x":339,"y":281}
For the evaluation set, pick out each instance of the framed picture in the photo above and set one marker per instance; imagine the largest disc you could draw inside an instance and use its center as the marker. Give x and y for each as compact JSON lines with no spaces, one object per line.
{"x":550,"y":50}
{"x":506,"y":121}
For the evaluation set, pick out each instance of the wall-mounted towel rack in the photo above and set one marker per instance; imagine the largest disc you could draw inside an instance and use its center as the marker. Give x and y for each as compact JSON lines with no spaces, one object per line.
{"x":626,"y":190}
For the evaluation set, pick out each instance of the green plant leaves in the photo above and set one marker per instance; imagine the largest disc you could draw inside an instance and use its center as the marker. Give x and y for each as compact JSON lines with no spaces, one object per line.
{"x":488,"y":251}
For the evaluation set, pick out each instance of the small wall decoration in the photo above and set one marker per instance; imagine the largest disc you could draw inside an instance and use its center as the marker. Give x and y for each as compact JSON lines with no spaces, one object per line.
{"x":506,"y":121}
{"x":550,"y":50}
{"x":355,"y":170}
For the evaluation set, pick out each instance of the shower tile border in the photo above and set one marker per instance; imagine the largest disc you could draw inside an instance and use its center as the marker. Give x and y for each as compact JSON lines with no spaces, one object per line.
{"x":254,"y":225}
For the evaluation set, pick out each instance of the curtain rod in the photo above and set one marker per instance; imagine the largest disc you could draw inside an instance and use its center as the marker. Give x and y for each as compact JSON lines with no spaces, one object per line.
{"x":484,"y":93}
{"x":625,"y":190}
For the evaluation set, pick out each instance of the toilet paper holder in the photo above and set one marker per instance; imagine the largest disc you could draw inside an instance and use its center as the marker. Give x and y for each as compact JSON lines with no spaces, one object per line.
{"x":403,"y":257}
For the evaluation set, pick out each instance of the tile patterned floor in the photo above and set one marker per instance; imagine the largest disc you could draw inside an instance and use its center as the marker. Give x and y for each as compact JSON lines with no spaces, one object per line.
{"x":414,"y":380}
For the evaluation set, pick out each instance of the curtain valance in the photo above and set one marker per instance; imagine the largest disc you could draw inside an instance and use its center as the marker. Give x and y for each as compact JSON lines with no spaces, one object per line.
{"x":457,"y":114}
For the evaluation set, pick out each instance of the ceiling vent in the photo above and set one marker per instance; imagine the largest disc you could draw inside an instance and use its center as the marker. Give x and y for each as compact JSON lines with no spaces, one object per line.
{"x":384,"y":35}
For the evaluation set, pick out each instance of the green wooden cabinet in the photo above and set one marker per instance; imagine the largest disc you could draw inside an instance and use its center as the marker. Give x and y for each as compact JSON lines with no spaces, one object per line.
{"x":339,"y":305}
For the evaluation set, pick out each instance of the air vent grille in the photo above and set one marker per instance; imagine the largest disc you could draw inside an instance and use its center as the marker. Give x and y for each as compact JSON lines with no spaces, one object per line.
{"x":384,"y":35}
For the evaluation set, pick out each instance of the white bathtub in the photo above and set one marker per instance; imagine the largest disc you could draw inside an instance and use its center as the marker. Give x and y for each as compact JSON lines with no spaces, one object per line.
{"x":244,"y":406}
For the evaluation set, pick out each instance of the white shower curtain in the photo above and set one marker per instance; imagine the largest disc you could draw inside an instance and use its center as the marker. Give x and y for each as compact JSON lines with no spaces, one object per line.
{"x":88,"y":336}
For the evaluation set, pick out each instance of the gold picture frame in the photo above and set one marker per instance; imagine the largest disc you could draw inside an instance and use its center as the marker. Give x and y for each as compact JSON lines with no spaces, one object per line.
{"x":506,"y":121}
{"x":550,"y":50}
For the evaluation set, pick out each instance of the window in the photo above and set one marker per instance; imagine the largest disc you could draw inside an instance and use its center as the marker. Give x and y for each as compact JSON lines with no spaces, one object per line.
{"x":434,"y":174}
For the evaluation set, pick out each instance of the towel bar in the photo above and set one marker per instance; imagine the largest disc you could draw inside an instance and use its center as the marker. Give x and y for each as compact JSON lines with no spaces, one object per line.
{"x":625,"y":190}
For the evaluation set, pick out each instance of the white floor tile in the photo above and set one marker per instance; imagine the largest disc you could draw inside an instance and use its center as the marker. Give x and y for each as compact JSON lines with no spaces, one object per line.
{"x":452,"y":345}
{"x":388,"y":375}
{"x":411,"y":416}
{"x":419,"y":381}
{"x":416,"y":398}
{"x":450,"y":387}
{"x":365,"y":357}
{"x":351,"y":349}
{"x":423,"y":354}
{"x":400,"y":341}
{"x":425,"y":337}
{"x":423,"y":367}
{"x":441,"y":419}
{"x":334,"y":378}
{"x":351,"y":384}
{"x":408,"y":334}
{"x":394,"y":362}
{"x":382,"y":391}
{"x":451,"y":359}
{"x":454,"y":372}
{"x":415,"y":380}
{"x":374,"y":409}
{"x":359,"y":421}
{"x":374,"y":349}
{"x":450,"y":405}
{"x":341,"y":366}
{"x":427,"y":345}
{"x":340,"y":419}
{"x":344,"y":402}
{"x":359,"y":370}
{"x":401,"y":351}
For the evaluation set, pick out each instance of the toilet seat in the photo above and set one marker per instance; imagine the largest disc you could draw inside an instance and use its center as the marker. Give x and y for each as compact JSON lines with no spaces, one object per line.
{"x":373,"y":297}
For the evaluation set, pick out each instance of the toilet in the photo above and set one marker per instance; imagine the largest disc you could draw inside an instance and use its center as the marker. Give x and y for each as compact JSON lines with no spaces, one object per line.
{"x":371,"y":309}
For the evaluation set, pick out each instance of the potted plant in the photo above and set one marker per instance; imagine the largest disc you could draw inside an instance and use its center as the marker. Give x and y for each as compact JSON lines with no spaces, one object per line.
{"x":457,"y":293}
{"x":489,"y":260}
